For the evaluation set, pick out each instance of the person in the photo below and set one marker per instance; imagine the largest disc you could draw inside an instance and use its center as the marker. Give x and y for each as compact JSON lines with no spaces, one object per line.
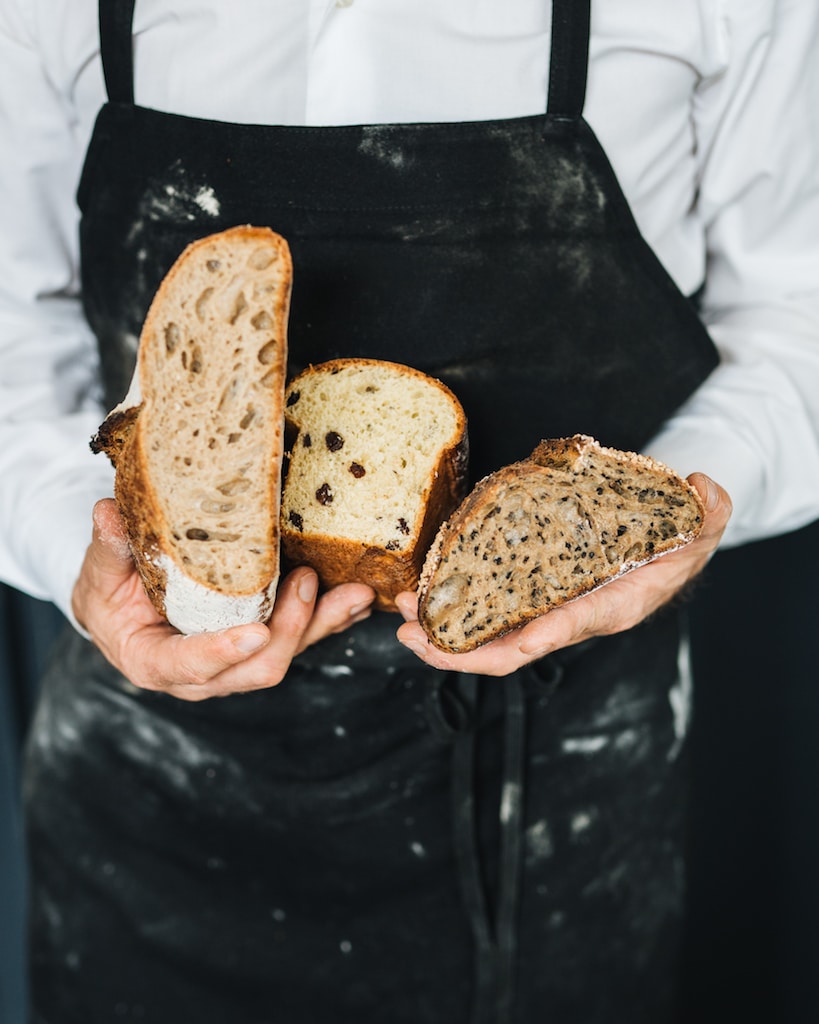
{"x":604,"y":226}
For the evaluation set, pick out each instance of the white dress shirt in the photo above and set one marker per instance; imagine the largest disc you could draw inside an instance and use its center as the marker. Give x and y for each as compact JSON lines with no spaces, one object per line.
{"x":708,"y":110}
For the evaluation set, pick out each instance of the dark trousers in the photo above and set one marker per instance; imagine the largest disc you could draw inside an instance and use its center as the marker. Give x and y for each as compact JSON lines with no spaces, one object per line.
{"x":753,"y":938}
{"x":27,"y":630}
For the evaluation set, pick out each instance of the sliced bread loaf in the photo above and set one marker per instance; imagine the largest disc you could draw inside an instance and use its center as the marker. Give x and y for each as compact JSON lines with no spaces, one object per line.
{"x":541,"y":532}
{"x":198,"y":442}
{"x":377,"y":462}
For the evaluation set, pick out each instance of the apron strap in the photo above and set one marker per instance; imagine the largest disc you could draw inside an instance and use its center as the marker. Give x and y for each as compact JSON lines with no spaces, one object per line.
{"x":512,"y":844}
{"x":568,"y":64}
{"x":116,"y":49}
{"x":467,"y":855}
{"x":569,"y":60}
{"x":452,"y":712}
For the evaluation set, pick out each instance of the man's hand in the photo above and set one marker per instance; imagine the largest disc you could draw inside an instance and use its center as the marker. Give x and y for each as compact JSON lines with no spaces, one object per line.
{"x":617,"y":606}
{"x":110,"y":603}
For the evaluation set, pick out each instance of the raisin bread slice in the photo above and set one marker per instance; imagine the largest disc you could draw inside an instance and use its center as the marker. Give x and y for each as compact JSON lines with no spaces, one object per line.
{"x":377,"y":463}
{"x":541,"y":532}
{"x":198,"y":442}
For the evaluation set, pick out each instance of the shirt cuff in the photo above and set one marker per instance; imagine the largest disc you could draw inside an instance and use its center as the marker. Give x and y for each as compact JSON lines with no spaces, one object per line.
{"x":689,"y":448}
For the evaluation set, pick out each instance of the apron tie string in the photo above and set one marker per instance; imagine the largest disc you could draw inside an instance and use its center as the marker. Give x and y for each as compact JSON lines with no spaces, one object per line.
{"x":452,"y":707}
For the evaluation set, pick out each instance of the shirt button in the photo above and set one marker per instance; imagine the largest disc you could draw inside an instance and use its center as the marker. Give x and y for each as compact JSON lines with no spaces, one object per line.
{"x":344,"y":3}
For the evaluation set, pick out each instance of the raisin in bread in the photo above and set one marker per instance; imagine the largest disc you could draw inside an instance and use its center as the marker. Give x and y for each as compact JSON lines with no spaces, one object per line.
{"x":198,"y":442}
{"x":541,"y":532}
{"x":378,"y":461}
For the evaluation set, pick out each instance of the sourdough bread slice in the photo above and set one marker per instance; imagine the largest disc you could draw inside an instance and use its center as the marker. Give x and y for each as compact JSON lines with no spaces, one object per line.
{"x":198,"y":442}
{"x":541,"y":532}
{"x":377,"y":462}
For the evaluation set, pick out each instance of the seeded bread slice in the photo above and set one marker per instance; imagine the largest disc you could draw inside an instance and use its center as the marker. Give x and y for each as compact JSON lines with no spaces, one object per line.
{"x":378,"y":461}
{"x":198,"y":442}
{"x":541,"y":532}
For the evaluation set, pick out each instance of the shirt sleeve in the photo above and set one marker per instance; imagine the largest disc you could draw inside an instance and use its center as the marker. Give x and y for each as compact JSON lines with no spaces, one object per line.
{"x":754,"y":425}
{"x":49,"y":400}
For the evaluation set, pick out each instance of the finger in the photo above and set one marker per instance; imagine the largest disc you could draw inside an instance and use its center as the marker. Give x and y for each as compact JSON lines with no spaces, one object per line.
{"x":108,"y":584}
{"x":595,"y":614}
{"x":298,"y":620}
{"x":498,"y":658}
{"x":608,"y":610}
{"x":295,"y":603}
{"x":109,"y":527}
{"x":337,"y":610}
{"x":109,"y":554}
{"x":289,"y":624}
{"x":717,"y":502}
{"x":160,"y":658}
{"x":407,"y":604}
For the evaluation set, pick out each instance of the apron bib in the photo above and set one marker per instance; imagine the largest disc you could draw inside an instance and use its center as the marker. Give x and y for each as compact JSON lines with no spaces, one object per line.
{"x":374,"y":840}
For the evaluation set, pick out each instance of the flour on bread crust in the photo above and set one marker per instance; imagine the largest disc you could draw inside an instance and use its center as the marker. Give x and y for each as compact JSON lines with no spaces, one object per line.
{"x":198,"y":441}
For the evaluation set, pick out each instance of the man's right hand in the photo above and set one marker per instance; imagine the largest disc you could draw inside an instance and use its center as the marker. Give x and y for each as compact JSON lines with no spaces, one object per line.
{"x":110,"y":603}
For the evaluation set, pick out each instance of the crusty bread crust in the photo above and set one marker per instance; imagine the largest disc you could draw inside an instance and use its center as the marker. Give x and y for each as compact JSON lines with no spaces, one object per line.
{"x":536,"y":534}
{"x":372,"y":474}
{"x":198,"y":444}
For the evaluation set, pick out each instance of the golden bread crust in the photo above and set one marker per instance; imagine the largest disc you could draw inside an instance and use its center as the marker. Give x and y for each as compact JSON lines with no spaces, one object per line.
{"x":368,"y":553}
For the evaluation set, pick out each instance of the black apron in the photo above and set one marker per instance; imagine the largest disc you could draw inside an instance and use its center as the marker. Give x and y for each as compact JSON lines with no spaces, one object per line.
{"x":374,"y":840}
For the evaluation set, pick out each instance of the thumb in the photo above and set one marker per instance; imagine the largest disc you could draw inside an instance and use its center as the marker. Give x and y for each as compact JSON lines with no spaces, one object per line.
{"x":110,"y":552}
{"x":407,"y":604}
{"x":717,"y":502}
{"x":108,"y":567}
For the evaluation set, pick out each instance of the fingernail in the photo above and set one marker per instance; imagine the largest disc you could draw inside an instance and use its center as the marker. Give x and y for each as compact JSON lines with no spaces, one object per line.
{"x":247,"y":643}
{"x":359,"y":608}
{"x":308,"y":587}
{"x":711,"y":494}
{"x":532,"y":650}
